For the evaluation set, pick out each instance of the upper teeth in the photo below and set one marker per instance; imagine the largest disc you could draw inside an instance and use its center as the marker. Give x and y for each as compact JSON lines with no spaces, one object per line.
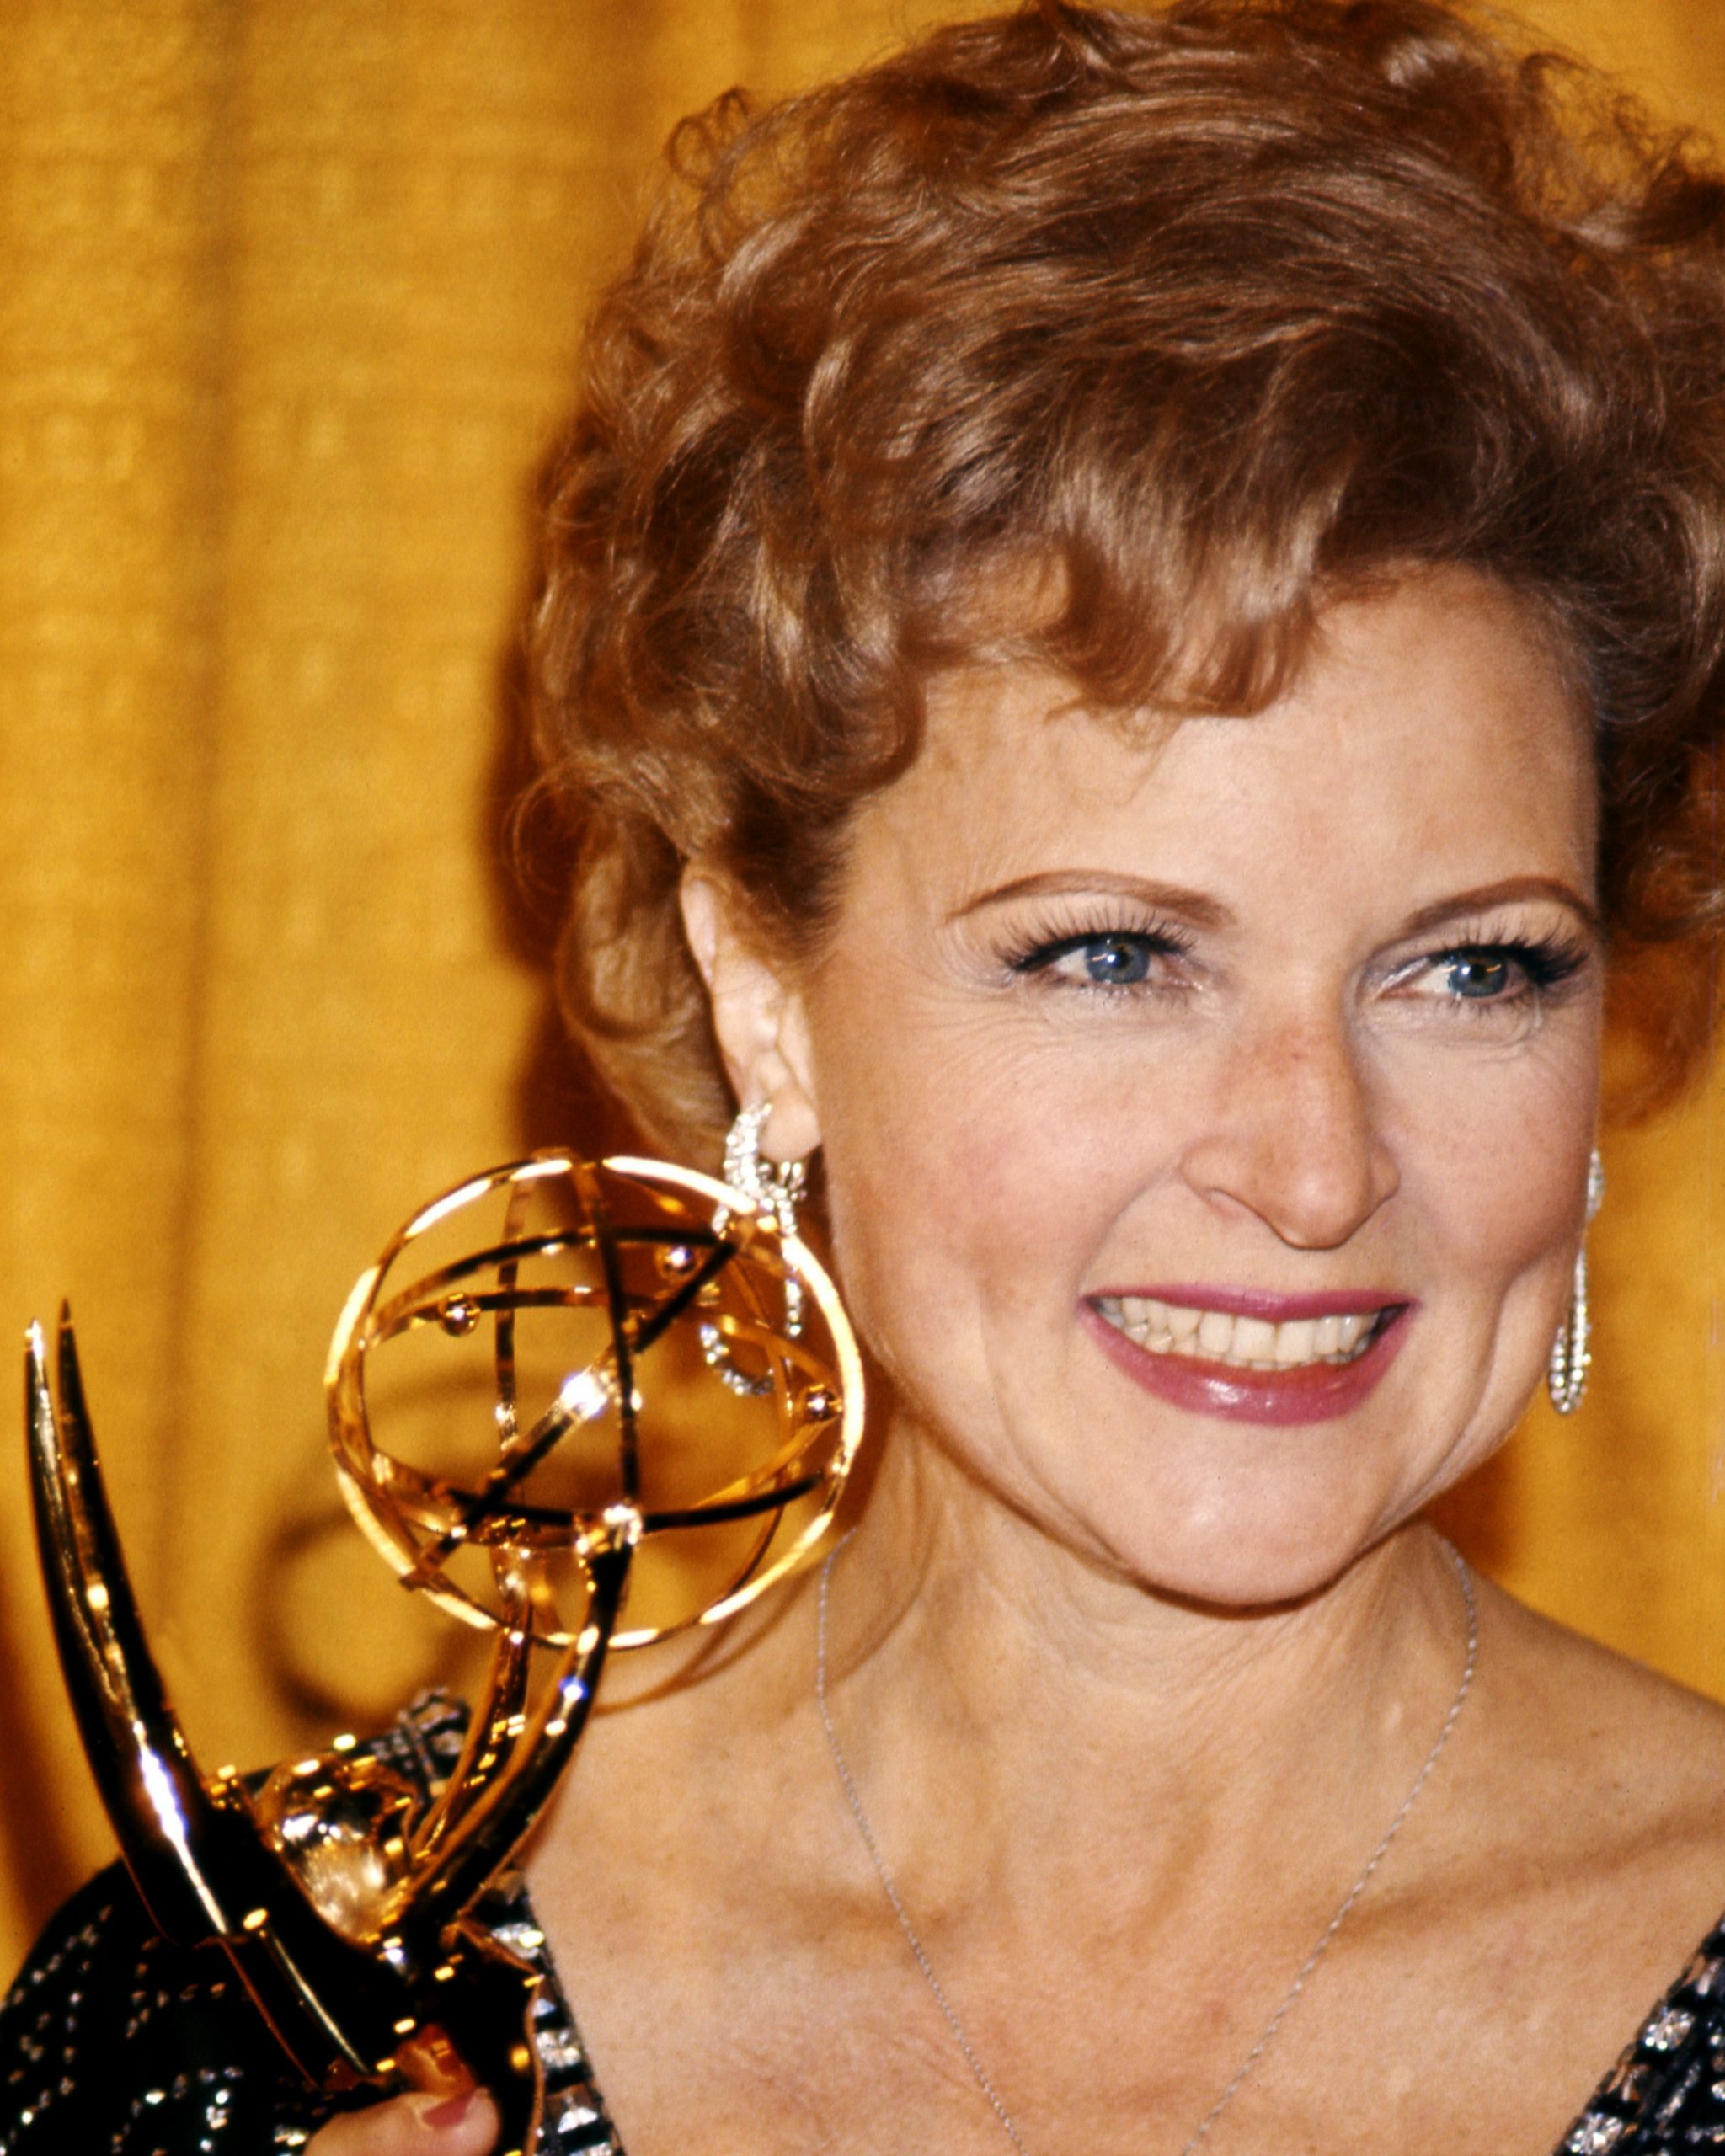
{"x":1252,"y":1342}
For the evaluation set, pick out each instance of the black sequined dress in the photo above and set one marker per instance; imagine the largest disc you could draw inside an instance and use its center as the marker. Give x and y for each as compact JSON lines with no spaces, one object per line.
{"x":112,"y":2043}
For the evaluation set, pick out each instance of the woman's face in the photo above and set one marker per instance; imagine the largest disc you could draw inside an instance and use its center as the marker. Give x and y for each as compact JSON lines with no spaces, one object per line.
{"x":1139,"y":1068}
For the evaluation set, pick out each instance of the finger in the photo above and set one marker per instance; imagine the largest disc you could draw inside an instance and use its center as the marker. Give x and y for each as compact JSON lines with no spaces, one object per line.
{"x":413,"y":2126}
{"x":430,"y":2062}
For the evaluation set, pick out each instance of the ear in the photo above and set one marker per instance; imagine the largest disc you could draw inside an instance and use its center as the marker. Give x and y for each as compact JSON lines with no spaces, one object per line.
{"x":759,"y":1015}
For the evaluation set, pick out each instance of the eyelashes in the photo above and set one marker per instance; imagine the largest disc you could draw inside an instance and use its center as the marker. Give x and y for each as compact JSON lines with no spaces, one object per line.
{"x":1491,"y":966}
{"x":1533,"y":969}
{"x":1113,"y":954}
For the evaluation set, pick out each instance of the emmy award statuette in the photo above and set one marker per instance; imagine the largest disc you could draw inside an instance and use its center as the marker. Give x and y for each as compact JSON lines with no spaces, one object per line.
{"x":635,"y":1402}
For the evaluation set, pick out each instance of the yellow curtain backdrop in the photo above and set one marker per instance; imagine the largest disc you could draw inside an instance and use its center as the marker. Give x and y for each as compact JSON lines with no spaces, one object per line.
{"x":289,"y":296}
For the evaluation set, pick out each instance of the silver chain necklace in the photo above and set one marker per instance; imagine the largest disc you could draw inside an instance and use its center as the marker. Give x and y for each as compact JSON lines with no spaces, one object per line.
{"x":979,"y":2072}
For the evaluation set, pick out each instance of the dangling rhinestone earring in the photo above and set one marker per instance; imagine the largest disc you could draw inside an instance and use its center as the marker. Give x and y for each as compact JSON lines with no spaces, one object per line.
{"x":775,"y":1185}
{"x":1565,"y":1377}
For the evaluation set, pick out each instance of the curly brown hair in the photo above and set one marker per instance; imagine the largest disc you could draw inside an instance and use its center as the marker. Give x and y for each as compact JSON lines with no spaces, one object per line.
{"x":1199,"y":318}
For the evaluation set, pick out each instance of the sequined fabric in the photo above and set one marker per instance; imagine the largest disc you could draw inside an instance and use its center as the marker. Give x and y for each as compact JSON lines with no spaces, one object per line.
{"x":1668,"y":2090}
{"x":112,"y":2043}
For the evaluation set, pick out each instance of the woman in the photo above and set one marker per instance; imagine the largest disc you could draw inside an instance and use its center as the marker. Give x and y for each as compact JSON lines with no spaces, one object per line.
{"x":1135,"y":607}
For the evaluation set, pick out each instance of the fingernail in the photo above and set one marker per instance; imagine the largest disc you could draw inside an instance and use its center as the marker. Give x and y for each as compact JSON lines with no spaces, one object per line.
{"x":452,"y":2111}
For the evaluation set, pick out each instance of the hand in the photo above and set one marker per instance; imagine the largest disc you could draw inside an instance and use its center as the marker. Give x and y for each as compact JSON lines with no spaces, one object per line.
{"x":420,"y":2125}
{"x":445,"y":2115}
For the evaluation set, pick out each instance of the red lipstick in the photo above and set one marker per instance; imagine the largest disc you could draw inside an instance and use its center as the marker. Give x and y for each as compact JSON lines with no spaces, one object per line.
{"x":1312,"y":1392}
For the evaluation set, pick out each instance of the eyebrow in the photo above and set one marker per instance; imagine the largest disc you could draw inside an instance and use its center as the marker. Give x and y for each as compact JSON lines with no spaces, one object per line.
{"x":1205,"y":912}
{"x":1512,"y":890}
{"x":1164,"y":898}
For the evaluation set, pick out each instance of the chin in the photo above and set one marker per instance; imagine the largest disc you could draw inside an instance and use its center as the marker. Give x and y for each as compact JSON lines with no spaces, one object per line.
{"x":1240,"y":1518}
{"x":1233,"y":1564}
{"x":1265,"y":1500}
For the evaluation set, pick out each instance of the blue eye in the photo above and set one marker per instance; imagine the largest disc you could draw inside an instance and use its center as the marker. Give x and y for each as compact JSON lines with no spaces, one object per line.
{"x":1100,"y":958}
{"x":1478,"y":976}
{"x":1115,"y":961}
{"x":1502,"y":974}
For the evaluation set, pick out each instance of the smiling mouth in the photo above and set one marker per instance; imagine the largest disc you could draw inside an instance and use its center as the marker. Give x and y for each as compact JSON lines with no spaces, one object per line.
{"x":1240,"y":1343}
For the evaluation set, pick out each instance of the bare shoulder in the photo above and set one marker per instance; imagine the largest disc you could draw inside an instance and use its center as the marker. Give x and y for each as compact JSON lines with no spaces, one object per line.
{"x":1581,"y":1863}
{"x":1608,"y":1762}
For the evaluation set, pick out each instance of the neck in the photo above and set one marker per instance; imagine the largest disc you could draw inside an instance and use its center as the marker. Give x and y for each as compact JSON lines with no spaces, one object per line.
{"x":1064,"y":1706}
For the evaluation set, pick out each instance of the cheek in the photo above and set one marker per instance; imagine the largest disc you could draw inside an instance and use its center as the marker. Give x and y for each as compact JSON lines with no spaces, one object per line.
{"x":1491,"y":1164}
{"x":972,"y":1182}
{"x":937,"y":1175}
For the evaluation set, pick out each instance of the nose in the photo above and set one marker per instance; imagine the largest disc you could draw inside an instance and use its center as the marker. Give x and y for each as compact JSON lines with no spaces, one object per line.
{"x":1289,"y":1135}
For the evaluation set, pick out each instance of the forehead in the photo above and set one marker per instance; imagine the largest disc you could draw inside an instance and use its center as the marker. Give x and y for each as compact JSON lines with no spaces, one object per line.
{"x":1433,"y":734}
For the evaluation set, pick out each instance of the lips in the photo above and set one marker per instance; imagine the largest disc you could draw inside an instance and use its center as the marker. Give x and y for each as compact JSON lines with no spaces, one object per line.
{"x":1247,"y":1355}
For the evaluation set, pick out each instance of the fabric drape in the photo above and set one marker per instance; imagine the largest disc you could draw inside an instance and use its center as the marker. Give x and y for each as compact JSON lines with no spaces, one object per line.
{"x":290,"y":292}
